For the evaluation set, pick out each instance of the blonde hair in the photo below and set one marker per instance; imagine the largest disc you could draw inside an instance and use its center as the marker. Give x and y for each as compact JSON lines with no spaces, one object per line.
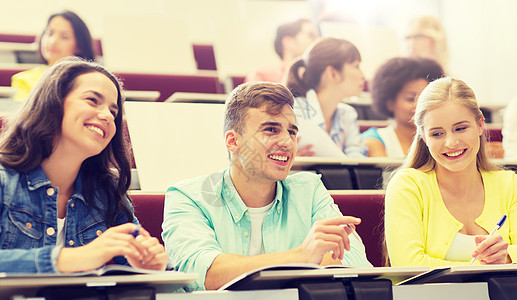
{"x":432,"y":27}
{"x":438,"y":92}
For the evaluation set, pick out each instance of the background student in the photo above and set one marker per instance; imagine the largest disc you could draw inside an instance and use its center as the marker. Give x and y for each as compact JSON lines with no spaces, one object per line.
{"x":425,"y":37}
{"x":290,"y":41}
{"x":395,"y":88}
{"x":447,"y":196}
{"x":320,"y":80}
{"x":64,"y":176}
{"x":510,"y":131}
{"x":252,"y":214}
{"x":65,"y":35}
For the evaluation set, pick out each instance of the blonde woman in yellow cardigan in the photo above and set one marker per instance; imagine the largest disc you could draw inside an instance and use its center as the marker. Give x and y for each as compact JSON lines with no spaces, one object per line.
{"x":447,"y":197}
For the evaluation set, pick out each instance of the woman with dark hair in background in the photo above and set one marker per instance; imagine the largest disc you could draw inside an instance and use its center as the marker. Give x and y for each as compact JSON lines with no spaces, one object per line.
{"x":395,"y":88}
{"x":321,"y":79}
{"x":65,"y":35}
{"x":64,"y":176}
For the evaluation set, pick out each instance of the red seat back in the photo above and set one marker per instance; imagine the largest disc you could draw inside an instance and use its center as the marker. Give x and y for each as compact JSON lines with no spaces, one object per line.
{"x":149,"y":212}
{"x":370,"y":209}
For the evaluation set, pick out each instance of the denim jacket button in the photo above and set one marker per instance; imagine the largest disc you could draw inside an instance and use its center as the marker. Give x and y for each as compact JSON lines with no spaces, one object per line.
{"x":50,"y":191}
{"x":28,"y":225}
{"x":72,"y":205}
{"x":51,"y":231}
{"x":99,"y":232}
{"x":71,"y":242}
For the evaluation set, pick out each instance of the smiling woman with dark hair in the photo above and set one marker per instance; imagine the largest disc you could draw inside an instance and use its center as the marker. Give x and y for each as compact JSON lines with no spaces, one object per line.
{"x":64,"y":176}
{"x":66,"y":34}
{"x":395,"y":88}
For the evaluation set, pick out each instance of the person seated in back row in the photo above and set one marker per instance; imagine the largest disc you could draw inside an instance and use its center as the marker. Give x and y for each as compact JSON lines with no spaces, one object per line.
{"x":65,"y":35}
{"x":290,"y":41}
{"x":395,"y":88}
{"x":252,"y":214}
{"x":328,"y":73}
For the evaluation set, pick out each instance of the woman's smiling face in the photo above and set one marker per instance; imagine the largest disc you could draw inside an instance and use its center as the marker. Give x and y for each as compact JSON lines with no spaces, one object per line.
{"x":451,"y":134}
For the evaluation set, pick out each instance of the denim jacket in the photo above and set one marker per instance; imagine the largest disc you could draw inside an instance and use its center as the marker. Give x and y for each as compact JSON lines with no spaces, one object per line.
{"x":28,"y":226}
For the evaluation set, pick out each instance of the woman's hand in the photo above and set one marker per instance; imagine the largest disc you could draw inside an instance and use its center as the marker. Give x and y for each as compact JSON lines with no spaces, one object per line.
{"x":154,"y":255}
{"x":143,"y":251}
{"x":493,"y":250}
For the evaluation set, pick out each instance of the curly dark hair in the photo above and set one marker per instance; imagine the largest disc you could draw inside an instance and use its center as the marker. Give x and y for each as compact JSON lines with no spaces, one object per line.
{"x":393,"y":75}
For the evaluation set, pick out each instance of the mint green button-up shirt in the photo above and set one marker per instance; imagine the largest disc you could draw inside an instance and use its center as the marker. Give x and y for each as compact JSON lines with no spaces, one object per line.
{"x":205,"y":217}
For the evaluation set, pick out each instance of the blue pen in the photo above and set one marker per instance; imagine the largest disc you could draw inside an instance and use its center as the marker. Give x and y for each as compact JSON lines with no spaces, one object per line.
{"x":497,"y":227}
{"x":137,"y":231}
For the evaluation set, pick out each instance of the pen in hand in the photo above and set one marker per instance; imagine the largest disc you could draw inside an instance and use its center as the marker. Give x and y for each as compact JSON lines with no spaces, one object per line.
{"x":497,"y":227}
{"x":354,"y":233}
{"x":137,"y":231}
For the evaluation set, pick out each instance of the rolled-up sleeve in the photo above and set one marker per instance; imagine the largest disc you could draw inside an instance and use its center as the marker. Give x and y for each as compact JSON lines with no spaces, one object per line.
{"x":189,"y":238}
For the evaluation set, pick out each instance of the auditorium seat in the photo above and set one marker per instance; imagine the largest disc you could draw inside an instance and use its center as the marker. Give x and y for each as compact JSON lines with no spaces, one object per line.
{"x":369,"y":207}
{"x":149,"y":212}
{"x":494,"y":134}
{"x":28,"y":39}
{"x":204,"y":56}
{"x":169,"y":84}
{"x":6,"y":74}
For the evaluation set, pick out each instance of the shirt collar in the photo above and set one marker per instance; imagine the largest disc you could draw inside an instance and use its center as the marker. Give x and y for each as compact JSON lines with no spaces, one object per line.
{"x":37,"y":178}
{"x":235,"y":204}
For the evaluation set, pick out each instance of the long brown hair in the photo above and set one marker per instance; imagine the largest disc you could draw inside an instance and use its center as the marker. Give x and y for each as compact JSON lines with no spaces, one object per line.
{"x":322,"y":53}
{"x":29,"y":136}
{"x":82,"y":35}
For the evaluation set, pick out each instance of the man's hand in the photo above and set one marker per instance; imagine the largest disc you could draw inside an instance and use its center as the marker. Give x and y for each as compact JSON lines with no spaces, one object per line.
{"x":325,"y":236}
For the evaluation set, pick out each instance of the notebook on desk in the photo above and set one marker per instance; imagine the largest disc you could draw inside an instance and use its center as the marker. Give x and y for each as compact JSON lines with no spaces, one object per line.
{"x":175,"y":141}
{"x":461,"y":273}
{"x":282,"y":276}
{"x":30,"y":284}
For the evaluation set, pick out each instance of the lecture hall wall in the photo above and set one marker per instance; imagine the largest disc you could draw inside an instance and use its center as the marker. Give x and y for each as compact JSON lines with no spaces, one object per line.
{"x":482,"y":34}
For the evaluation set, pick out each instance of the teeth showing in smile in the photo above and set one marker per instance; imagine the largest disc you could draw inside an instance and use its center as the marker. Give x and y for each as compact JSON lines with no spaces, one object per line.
{"x":95,"y":129}
{"x":278,"y":157}
{"x":454,"y":154}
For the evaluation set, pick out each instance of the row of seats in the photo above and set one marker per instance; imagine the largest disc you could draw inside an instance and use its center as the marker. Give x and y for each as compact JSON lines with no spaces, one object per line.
{"x":203,"y":54}
{"x":164,"y":83}
{"x":367,"y":206}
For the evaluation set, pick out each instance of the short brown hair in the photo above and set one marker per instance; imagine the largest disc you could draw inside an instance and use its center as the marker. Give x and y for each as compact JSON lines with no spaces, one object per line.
{"x":254,"y":95}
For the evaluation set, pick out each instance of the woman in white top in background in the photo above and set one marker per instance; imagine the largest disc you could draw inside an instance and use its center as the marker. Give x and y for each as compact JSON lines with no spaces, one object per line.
{"x":321,"y":79}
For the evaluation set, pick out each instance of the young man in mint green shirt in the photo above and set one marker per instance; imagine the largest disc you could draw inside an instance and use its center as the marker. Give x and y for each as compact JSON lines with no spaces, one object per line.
{"x":252,"y":214}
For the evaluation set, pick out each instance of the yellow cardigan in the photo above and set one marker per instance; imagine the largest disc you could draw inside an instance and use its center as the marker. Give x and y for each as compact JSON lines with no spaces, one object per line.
{"x":26,"y":80}
{"x":420,"y":229}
